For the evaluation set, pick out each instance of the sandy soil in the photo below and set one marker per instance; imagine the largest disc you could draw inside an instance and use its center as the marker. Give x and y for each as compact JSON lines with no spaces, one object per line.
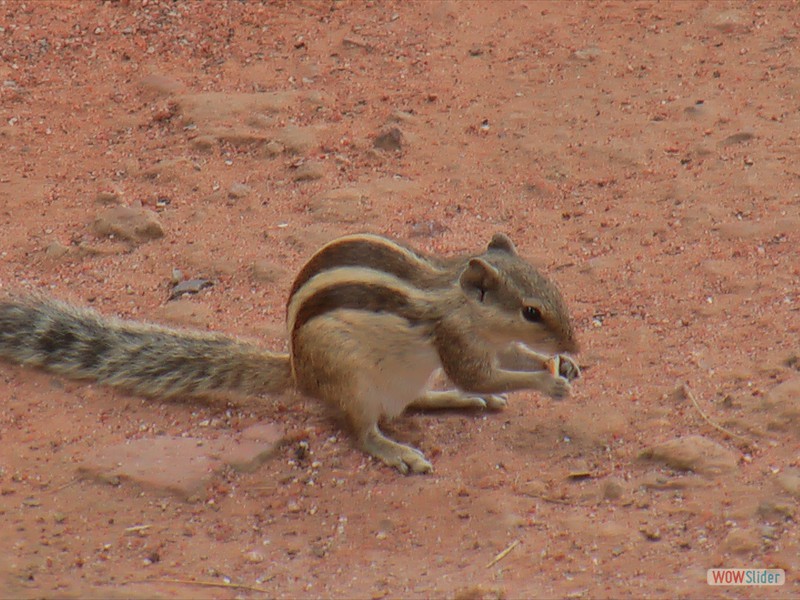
{"x":644,"y":154}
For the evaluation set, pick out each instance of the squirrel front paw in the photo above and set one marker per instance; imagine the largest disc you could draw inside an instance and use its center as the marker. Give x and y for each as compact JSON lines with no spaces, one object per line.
{"x":557,"y":387}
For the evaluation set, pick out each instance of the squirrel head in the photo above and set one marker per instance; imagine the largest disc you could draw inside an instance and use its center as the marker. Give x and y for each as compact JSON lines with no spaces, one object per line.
{"x":515,"y":302}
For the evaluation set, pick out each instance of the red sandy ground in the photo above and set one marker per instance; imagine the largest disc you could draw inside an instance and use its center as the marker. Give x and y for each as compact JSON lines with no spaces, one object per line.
{"x":644,"y":154}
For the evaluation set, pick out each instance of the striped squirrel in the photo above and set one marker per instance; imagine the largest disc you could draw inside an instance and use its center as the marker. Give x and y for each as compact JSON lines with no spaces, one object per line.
{"x":370,"y":321}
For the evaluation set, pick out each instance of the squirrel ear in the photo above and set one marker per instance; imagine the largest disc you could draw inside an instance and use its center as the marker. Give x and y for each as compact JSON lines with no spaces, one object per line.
{"x":477,"y":278}
{"x":500,"y":241}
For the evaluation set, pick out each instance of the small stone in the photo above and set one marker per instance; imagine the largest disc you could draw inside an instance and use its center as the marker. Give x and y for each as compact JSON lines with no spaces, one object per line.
{"x":428,"y":228}
{"x":693,"y":453}
{"x":56,"y":250}
{"x":792,"y":361}
{"x":728,"y":276}
{"x":207,"y":109}
{"x":254,"y":556}
{"x":769,"y":532}
{"x":344,"y":205}
{"x":730,"y":21}
{"x":790,"y":482}
{"x":737,"y":138}
{"x":651,"y":533}
{"x":315,"y":98}
{"x":185,"y":312}
{"x":239,"y":190}
{"x":132,"y":224}
{"x":263,"y":432}
{"x":309,"y":171}
{"x":209,"y":262}
{"x":170,"y":169}
{"x":86,"y":249}
{"x":356,"y":41}
{"x":320,"y":548}
{"x":190,"y":286}
{"x":612,"y":532}
{"x":613,"y":488}
{"x":267,"y":272}
{"x":241,"y":137}
{"x":407,"y":118}
{"x":260,"y":121}
{"x":513,"y":520}
{"x":535,"y":488}
{"x":390,"y":140}
{"x":478,"y":592}
{"x":776,"y":508}
{"x":782,"y":405}
{"x":593,"y":428}
{"x":107,"y":198}
{"x":589,"y":53}
{"x":741,"y":541}
{"x":297,"y":140}
{"x":654,"y":480}
{"x":273,"y":148}
{"x":160,"y":85}
{"x":581,"y":469}
{"x":697,"y":110}
{"x":204,"y":143}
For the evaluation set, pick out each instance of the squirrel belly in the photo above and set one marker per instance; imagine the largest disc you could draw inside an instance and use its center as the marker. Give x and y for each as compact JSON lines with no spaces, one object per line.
{"x":142,"y":358}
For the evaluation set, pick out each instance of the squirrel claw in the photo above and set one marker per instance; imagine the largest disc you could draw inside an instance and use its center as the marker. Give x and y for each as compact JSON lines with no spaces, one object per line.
{"x":568,"y":368}
{"x":495,"y":401}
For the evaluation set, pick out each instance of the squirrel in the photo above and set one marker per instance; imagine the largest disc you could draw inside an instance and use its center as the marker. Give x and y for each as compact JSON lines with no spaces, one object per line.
{"x":370,"y":321}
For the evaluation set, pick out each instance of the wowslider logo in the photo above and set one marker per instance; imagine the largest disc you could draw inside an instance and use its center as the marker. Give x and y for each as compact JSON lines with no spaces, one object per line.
{"x":746,"y":577}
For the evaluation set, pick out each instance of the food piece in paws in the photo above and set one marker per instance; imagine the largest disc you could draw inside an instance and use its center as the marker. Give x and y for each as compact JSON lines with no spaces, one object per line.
{"x":553,"y":365}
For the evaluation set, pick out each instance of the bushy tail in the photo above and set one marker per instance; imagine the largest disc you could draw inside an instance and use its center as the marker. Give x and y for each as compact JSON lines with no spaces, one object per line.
{"x":145,"y":359}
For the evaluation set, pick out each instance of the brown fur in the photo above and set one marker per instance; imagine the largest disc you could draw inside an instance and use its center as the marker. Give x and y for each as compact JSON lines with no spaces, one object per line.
{"x":370,"y":321}
{"x":377,"y":253}
{"x":146,"y":359}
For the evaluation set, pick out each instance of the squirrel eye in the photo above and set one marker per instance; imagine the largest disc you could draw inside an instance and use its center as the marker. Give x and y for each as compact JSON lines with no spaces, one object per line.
{"x":532,"y":314}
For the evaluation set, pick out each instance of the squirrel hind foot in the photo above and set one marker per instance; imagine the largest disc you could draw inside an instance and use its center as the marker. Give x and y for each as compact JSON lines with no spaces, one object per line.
{"x":403,"y":458}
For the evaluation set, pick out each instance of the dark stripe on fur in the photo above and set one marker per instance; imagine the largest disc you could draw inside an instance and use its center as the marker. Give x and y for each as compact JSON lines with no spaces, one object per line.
{"x":370,"y":254}
{"x":368,"y":297}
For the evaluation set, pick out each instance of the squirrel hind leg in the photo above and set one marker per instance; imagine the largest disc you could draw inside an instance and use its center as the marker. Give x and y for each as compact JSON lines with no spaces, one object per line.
{"x":361,"y":408}
{"x":363,"y":413}
{"x":342,"y":360}
{"x":457,"y":400}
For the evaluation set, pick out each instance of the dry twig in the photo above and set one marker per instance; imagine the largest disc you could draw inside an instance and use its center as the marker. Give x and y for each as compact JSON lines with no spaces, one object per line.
{"x":218,"y":584}
{"x":503,"y":554}
{"x":137,"y":528}
{"x":716,"y":426}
